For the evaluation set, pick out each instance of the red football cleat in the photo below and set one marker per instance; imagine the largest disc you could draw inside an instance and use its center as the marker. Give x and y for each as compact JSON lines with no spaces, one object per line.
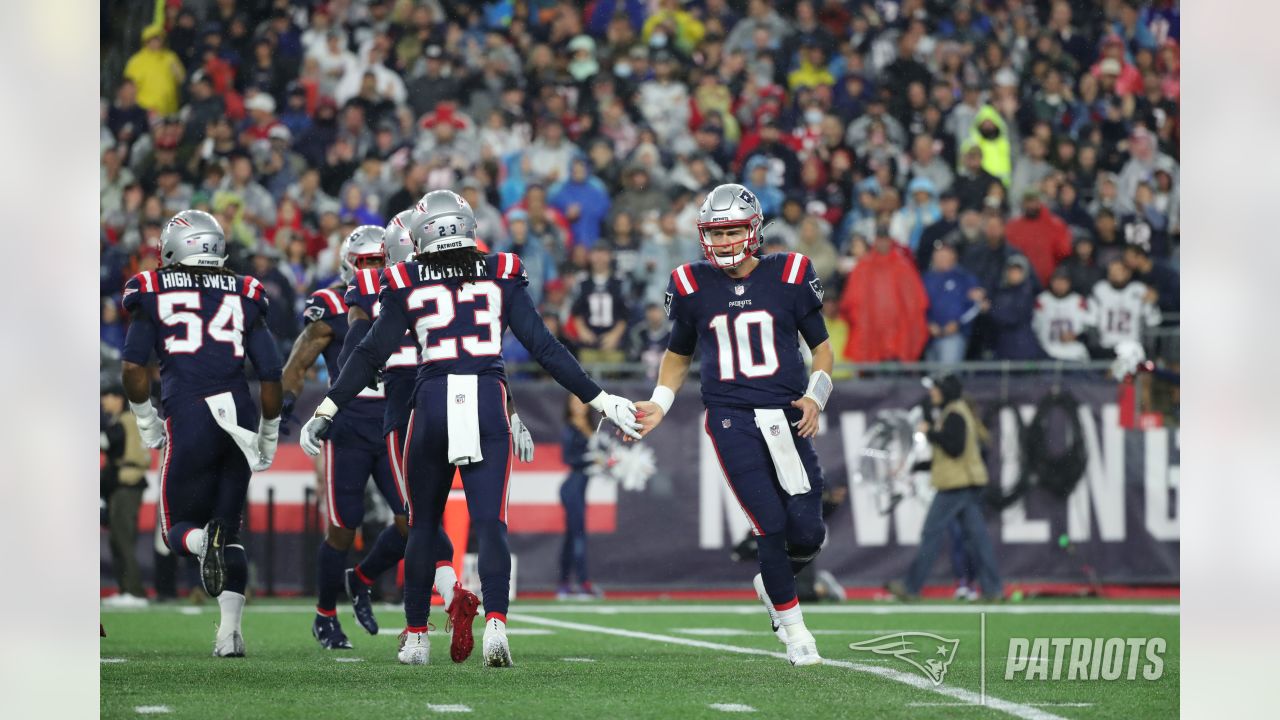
{"x":462,"y":613}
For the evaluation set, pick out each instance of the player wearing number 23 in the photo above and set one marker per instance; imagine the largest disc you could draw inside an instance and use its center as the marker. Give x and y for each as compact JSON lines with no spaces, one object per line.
{"x":457,"y":302}
{"x":749,"y":311}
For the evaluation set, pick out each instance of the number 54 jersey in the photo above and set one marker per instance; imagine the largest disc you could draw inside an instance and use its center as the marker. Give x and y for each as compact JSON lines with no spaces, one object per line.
{"x":749,"y":328}
{"x":202,"y":326}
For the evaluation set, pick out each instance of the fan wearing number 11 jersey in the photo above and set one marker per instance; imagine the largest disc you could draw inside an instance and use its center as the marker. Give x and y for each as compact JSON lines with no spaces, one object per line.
{"x":203,"y":321}
{"x":748,"y":311}
{"x":457,"y":302}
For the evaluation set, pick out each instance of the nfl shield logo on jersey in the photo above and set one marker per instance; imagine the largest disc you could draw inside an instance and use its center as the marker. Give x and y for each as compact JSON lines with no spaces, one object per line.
{"x":459,"y":399}
{"x":726,"y":423}
{"x":738,"y":290}
{"x":774,"y":430}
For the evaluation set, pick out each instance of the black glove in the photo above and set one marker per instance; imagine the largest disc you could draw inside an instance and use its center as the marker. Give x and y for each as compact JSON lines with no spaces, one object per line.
{"x":286,"y":412}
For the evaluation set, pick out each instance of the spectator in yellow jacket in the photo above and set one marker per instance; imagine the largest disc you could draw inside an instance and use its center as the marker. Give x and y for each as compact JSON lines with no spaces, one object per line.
{"x":672,"y":18}
{"x":990,"y":133}
{"x":157,"y":72}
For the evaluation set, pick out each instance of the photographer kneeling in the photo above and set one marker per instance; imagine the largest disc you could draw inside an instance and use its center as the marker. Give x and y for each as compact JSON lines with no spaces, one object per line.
{"x":959,"y":475}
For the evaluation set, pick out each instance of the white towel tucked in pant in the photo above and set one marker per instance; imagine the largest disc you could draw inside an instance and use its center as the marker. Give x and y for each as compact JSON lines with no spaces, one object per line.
{"x":223,"y":408}
{"x":782,"y":449}
{"x":462,"y":395}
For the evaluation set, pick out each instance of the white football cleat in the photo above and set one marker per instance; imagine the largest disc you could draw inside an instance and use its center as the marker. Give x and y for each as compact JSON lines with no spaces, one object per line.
{"x":229,"y":645}
{"x":803,"y":651}
{"x":758,"y":582}
{"x":497,"y":653}
{"x":415,"y":649}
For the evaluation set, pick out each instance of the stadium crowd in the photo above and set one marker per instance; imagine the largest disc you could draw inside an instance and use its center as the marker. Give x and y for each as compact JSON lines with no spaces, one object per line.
{"x":979,"y":178}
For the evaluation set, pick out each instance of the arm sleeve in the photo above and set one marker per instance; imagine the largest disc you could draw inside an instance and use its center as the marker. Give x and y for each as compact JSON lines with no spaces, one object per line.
{"x":527,"y":326}
{"x":140,"y":338}
{"x":264,"y":352}
{"x":952,"y":435}
{"x":382,"y":339}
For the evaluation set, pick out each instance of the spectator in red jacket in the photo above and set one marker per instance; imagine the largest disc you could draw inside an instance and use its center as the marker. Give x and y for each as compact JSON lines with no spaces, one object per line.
{"x":1040,"y":235}
{"x":884,"y":304}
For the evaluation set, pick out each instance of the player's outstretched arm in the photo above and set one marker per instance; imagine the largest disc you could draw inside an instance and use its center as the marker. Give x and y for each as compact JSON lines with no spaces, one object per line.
{"x":671,"y":375}
{"x":814,"y":400}
{"x":527,"y":326}
{"x":136,"y":379}
{"x":383,"y":338}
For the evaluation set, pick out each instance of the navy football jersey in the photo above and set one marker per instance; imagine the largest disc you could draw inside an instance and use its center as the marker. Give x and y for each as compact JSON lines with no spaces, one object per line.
{"x":202,"y":326}
{"x":398,"y":376}
{"x":748,"y":328}
{"x":457,"y":327}
{"x":327,"y":306}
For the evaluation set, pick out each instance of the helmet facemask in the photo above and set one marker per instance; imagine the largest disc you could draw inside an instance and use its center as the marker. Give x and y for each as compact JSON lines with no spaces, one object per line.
{"x":739,"y":246}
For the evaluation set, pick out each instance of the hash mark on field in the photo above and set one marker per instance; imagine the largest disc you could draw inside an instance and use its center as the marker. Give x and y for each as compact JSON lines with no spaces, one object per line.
{"x":731,"y":707}
{"x":152,"y":709}
{"x":916,"y":681}
{"x":578,"y":659}
{"x":343,"y":659}
{"x":448,"y":708}
{"x":106,"y":661}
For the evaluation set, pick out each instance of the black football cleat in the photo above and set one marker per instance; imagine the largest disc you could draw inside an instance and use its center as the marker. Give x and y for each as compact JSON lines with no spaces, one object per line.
{"x":213,"y":566}
{"x":361,"y":602}
{"x":328,"y":632}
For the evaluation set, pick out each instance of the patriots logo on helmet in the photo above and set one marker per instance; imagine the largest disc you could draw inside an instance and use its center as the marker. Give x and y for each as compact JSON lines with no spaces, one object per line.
{"x":179,"y":221}
{"x":932,"y":653}
{"x":816,"y":285}
{"x":747,"y":197}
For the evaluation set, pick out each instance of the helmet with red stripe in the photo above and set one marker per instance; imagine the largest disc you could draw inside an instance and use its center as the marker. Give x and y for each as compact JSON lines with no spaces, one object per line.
{"x":193,"y":237}
{"x":363,"y":245}
{"x":397,"y":240}
{"x":729,"y":225}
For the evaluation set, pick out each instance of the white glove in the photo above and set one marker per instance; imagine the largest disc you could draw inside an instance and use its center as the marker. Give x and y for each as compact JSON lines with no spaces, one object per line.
{"x":150,"y":426}
{"x":317,"y":428}
{"x":268,"y":440}
{"x":521,"y":439}
{"x":620,"y":411}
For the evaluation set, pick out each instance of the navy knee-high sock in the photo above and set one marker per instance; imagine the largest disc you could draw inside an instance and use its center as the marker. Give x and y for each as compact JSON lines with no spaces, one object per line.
{"x":237,"y":568}
{"x":330,"y":564}
{"x":775,"y":569}
{"x":495,"y":567}
{"x":442,"y":549}
{"x":386,"y":552}
{"x":419,"y":575}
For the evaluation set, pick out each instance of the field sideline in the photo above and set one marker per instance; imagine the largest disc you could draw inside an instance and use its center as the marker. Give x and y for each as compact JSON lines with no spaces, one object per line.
{"x":623,"y":659}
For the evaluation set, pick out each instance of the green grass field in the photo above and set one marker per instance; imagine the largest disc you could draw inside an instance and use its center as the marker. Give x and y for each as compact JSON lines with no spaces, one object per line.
{"x":625,"y":660}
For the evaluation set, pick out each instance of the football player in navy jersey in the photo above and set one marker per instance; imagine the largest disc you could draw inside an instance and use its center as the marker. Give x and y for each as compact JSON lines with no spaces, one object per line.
{"x":201,"y":320}
{"x":355,"y":449}
{"x":749,"y":311}
{"x":458,"y":302}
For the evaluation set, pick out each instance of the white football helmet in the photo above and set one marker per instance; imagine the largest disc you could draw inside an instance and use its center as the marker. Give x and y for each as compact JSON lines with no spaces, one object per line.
{"x":397,"y":240}
{"x":730,"y":205}
{"x":444,"y":221}
{"x":363,"y":242}
{"x":193,"y":237}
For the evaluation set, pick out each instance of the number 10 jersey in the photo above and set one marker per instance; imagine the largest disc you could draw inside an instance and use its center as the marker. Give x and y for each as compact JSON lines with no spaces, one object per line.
{"x":749,"y":328}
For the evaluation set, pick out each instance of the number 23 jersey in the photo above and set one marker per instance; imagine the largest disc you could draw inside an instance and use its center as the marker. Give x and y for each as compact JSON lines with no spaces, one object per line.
{"x":749,"y":328}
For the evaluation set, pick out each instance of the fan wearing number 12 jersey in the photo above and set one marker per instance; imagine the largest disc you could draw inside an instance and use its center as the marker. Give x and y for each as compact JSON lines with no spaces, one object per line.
{"x":749,"y":312}
{"x":457,"y":302}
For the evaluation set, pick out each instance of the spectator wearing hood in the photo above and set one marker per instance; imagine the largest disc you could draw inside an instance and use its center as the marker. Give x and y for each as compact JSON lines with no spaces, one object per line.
{"x":884,"y":304}
{"x":921,"y":210}
{"x":1144,"y":159}
{"x":755,"y":178}
{"x":670,"y":24}
{"x":952,"y":292}
{"x":991,"y":135}
{"x":157,"y":72}
{"x":1081,"y":267}
{"x":1040,"y":235}
{"x":584,"y":201}
{"x":639,"y":197}
{"x":534,"y":257}
{"x":1011,"y":309}
{"x":938,"y":233}
{"x":1031,"y":167}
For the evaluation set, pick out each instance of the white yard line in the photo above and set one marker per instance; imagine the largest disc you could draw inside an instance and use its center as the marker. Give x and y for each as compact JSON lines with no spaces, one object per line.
{"x":108,"y":661}
{"x":448,"y":708}
{"x":152,"y":709}
{"x":966,"y":696}
{"x":731,"y":707}
{"x":961,"y":704}
{"x":729,"y":632}
{"x":578,"y":659}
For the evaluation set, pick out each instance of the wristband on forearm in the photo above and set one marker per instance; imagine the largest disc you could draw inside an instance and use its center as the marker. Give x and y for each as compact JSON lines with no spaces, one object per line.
{"x":142,"y":410}
{"x":663,"y":397}
{"x":820,"y":388}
